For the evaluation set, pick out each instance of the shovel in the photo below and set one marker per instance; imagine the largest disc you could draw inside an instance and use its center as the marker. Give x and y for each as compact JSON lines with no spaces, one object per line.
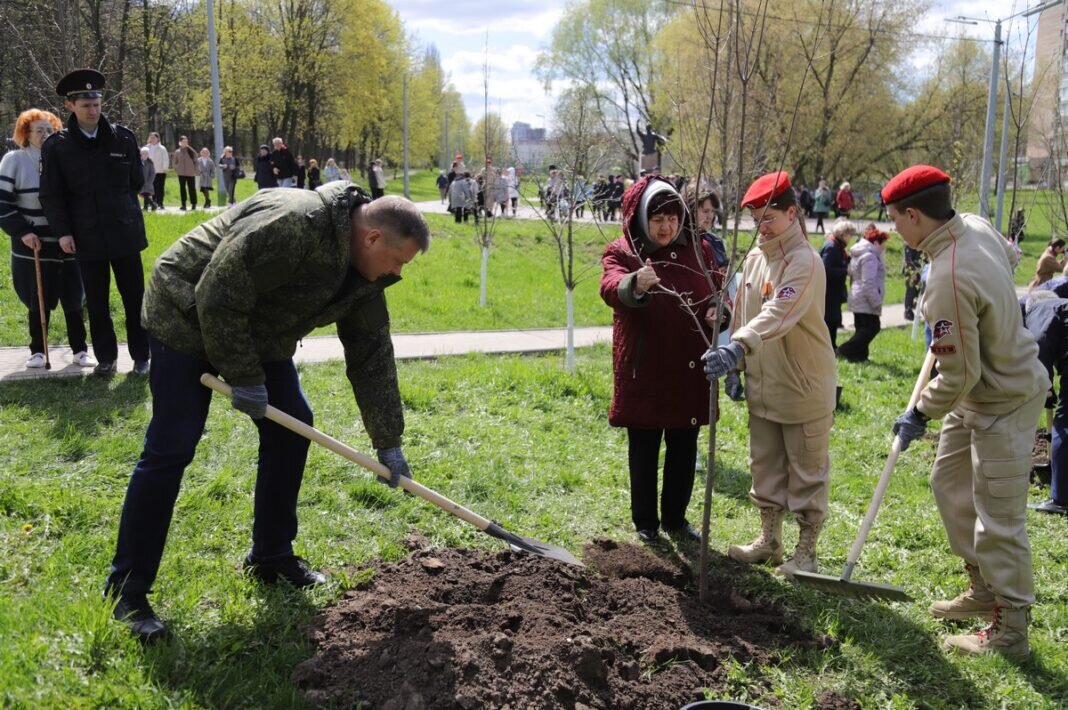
{"x":843,"y":586}
{"x":517,"y":543}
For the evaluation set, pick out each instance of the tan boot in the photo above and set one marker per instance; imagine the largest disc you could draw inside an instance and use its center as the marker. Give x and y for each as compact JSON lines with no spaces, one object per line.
{"x":804,"y":559}
{"x":1006,"y":634}
{"x":768,"y":544}
{"x":976,"y":603}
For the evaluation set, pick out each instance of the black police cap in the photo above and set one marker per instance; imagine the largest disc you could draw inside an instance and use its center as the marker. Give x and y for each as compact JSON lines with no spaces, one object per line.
{"x":81,"y":84}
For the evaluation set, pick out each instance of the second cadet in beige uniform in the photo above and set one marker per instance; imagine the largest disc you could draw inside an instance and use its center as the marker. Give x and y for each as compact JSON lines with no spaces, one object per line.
{"x":989,"y":390}
{"x":781,"y":343}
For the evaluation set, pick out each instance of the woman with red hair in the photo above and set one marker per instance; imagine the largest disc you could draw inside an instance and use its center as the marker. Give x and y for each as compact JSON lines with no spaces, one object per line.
{"x":868,"y":272}
{"x":23,"y":219}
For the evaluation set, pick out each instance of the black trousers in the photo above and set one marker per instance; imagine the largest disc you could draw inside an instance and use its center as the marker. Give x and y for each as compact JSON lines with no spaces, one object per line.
{"x":157,"y":185}
{"x":856,"y":348}
{"x":832,"y":328}
{"x":65,"y":277}
{"x":680,"y":458}
{"x":130,"y":280}
{"x":377,"y":192}
{"x":188,"y":183}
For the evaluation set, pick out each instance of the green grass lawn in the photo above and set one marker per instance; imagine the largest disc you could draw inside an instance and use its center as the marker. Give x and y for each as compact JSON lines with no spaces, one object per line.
{"x":440,"y":290}
{"x":517,"y":440}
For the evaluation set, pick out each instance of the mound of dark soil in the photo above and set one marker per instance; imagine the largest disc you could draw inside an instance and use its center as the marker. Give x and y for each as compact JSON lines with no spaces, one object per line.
{"x":453,"y":628}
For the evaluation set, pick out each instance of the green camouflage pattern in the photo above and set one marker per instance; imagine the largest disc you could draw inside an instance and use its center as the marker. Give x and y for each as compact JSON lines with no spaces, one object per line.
{"x":243,"y":288}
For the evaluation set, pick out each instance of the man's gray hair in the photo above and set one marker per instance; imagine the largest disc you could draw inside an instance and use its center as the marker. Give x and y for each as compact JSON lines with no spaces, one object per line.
{"x":1034,"y":297}
{"x":399,"y":218}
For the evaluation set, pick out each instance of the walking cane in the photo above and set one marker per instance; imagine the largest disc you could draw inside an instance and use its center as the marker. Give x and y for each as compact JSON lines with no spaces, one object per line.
{"x":41,"y":302}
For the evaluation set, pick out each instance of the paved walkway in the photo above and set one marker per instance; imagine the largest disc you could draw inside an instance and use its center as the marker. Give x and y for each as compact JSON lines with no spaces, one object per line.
{"x":407,"y":346}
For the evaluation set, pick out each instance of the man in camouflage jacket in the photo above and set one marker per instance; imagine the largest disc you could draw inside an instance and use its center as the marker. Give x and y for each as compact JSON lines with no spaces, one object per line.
{"x":233,"y":297}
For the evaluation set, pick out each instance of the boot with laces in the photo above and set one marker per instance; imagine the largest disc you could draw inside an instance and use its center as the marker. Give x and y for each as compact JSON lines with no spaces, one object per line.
{"x":975,"y":603}
{"x":1006,"y":634}
{"x":768,"y":544}
{"x":804,"y":559}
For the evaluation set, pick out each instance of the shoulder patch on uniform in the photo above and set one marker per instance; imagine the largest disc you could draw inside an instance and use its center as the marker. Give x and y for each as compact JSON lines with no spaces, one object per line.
{"x":941,"y":329}
{"x":943,"y":349}
{"x":786,"y":293}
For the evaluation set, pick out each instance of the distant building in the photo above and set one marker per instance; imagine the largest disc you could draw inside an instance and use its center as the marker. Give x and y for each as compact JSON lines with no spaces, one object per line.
{"x":1051,"y":97}
{"x":529,"y":147}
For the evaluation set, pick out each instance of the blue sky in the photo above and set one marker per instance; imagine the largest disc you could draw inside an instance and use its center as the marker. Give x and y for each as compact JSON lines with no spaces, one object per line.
{"x":513,"y":32}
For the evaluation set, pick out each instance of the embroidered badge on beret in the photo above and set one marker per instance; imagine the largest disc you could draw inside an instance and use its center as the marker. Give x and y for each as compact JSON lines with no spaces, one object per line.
{"x":786,"y":293}
{"x":941,"y":329}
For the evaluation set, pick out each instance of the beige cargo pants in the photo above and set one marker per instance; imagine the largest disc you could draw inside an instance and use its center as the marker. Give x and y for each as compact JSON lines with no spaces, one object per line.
{"x":980,"y":480}
{"x":790,"y":465}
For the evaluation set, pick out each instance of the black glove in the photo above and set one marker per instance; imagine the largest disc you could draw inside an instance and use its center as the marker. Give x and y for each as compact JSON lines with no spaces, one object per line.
{"x":733,"y":386}
{"x":250,"y":399}
{"x":909,"y":426}
{"x":719,"y":361}
{"x":1051,"y":399}
{"x":394,"y":460}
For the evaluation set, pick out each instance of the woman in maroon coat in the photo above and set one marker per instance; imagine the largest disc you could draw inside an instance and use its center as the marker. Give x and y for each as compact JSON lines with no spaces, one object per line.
{"x":654,"y":279}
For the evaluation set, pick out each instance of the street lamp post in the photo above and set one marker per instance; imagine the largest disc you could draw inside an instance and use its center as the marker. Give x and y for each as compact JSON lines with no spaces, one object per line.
{"x":992,"y":101}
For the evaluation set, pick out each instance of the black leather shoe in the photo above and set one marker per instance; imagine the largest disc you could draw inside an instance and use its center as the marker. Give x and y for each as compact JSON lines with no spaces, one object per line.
{"x":648,"y":535}
{"x":1049,"y":506}
{"x":140,"y":367}
{"x":135,"y":611}
{"x":291,"y":569}
{"x":104,"y":368}
{"x":687,"y":533}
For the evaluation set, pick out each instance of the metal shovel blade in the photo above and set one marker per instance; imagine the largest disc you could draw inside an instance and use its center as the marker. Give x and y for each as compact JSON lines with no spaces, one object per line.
{"x":848,"y":588}
{"x":534,"y":547}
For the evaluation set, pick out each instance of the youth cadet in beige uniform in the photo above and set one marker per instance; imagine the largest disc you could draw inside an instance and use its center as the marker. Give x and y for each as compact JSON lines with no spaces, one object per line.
{"x":782,"y":344}
{"x":990,"y":390}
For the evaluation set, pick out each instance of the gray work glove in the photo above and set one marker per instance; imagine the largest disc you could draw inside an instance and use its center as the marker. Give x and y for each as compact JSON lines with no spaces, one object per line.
{"x":733,"y":386}
{"x":394,"y":460}
{"x":910,"y":426}
{"x":250,"y":399}
{"x":719,"y":361}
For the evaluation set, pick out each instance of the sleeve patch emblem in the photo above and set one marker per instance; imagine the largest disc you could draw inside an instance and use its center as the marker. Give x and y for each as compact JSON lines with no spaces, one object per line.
{"x":786,"y":293}
{"x":943,"y":349}
{"x":941,"y":329}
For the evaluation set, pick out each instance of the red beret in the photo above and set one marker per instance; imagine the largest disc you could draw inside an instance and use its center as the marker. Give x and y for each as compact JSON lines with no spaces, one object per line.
{"x":910,"y":181}
{"x":765,"y":189}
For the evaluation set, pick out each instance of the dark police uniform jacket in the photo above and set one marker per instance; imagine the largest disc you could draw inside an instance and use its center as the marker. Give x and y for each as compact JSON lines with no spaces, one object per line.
{"x":89,"y":190}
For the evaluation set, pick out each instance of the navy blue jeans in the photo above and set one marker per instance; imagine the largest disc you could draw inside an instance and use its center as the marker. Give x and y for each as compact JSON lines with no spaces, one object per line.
{"x":179,"y":410}
{"x":1058,"y":455}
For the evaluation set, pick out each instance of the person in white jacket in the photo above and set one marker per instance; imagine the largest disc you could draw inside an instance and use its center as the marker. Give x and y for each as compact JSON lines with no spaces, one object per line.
{"x":868,"y":273}
{"x":161,"y":160}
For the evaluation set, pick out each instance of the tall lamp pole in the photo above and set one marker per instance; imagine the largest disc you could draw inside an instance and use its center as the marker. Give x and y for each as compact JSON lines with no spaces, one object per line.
{"x":216,"y":101}
{"x":992,"y":102}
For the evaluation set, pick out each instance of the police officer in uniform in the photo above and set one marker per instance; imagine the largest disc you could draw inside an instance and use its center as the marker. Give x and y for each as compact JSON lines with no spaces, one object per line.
{"x":90,"y":177}
{"x":989,"y":391}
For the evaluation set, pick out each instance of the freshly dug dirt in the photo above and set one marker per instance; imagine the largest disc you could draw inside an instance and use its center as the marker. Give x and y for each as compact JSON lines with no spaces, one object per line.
{"x":1040,"y":470}
{"x":449,"y":628}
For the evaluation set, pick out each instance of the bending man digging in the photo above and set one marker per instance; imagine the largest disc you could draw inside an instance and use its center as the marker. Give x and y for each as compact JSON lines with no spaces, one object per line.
{"x":233,"y":297}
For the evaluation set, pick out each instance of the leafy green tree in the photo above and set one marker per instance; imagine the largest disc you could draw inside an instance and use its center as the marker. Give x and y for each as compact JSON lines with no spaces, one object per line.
{"x":608,"y":47}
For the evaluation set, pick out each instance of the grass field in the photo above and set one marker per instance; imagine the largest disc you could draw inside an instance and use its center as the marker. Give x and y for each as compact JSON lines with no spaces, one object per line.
{"x":514,"y":438}
{"x":440,"y":289}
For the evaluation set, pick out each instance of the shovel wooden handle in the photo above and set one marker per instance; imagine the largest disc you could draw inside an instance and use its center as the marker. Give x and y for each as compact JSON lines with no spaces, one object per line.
{"x":884,"y":479}
{"x":312,"y":434}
